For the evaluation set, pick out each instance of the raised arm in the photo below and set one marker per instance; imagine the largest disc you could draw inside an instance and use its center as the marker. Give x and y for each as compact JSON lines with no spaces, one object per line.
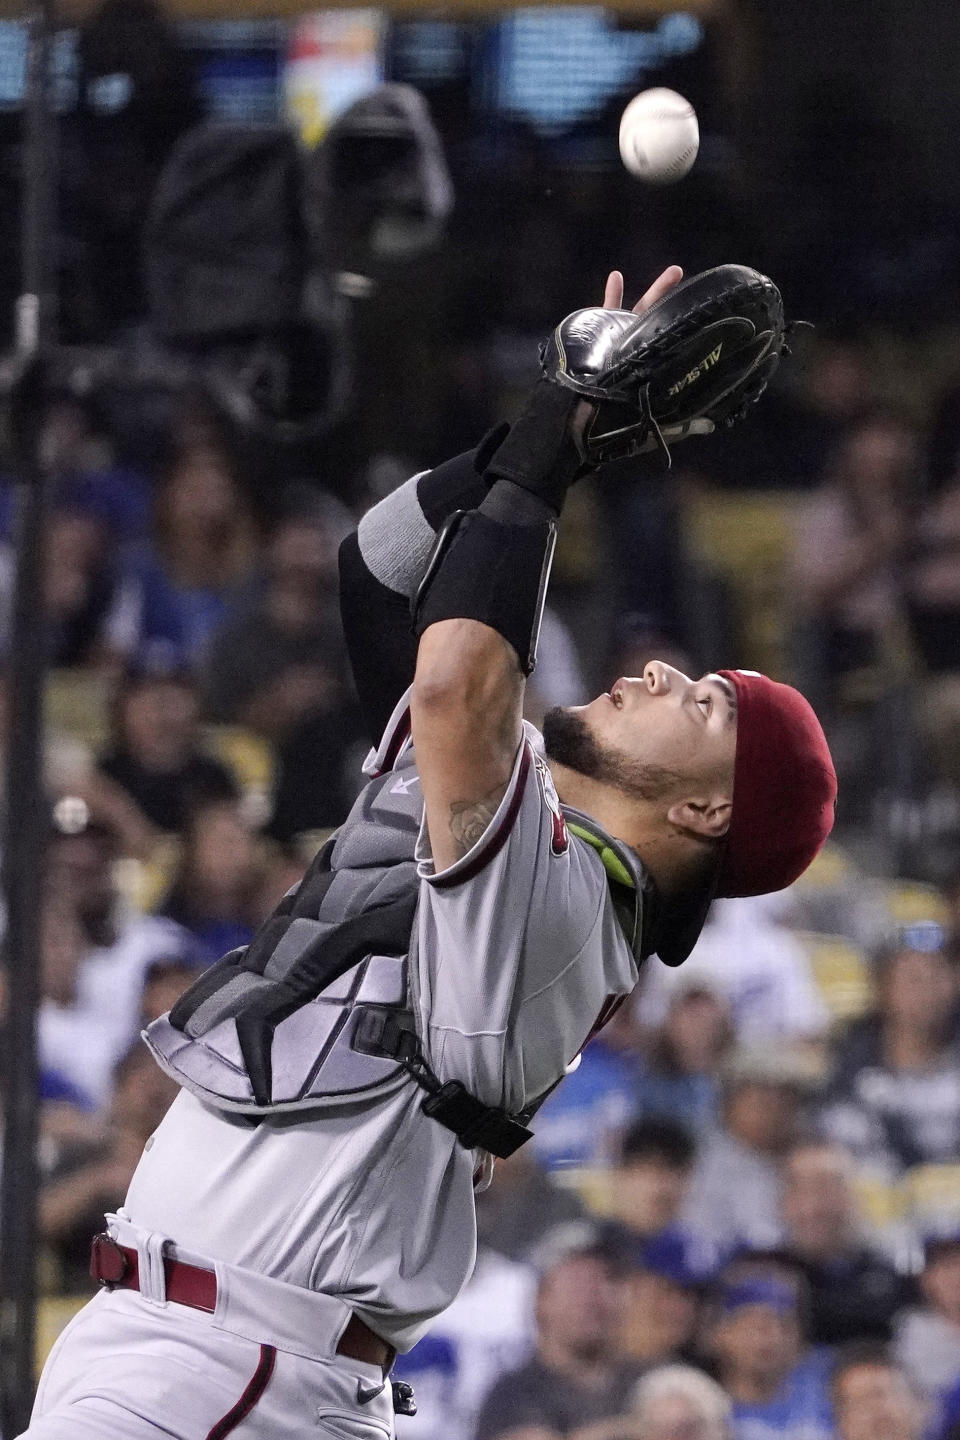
{"x":382,"y":562}
{"x":479,"y":608}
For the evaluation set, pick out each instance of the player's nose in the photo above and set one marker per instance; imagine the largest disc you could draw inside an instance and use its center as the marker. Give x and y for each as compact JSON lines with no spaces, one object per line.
{"x":661,"y":679}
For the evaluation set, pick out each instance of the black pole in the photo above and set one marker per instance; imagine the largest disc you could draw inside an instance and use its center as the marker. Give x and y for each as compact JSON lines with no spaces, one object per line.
{"x":25,"y":818}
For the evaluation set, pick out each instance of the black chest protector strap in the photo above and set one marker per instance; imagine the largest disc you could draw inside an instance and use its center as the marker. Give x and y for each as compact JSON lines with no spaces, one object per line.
{"x":476,"y":1126}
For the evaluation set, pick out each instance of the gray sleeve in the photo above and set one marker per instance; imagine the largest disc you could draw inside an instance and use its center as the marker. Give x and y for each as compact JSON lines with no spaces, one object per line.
{"x":396,"y":538}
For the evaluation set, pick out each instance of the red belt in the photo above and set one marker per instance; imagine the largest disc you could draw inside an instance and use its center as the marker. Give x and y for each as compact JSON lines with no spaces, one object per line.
{"x":115,"y":1265}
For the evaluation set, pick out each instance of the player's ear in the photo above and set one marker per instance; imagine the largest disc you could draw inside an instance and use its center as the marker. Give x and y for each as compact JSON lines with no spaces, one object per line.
{"x":708,"y":816}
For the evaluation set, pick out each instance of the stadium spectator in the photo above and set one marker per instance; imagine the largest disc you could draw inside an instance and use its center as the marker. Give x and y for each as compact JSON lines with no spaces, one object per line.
{"x":873,"y":1398}
{"x":176,"y":587}
{"x":582,"y":1121}
{"x":522,"y":1205}
{"x":747,"y":955}
{"x":283,"y":867}
{"x":671,"y":1073}
{"x":214,"y":892}
{"x":277,"y":666}
{"x":278,"y":657}
{"x":165,"y":981}
{"x":853,"y":1292}
{"x":734,"y":1193}
{"x":61,"y":953}
{"x":680,"y":1074}
{"x":79,"y":588}
{"x":895,"y":1095}
{"x":92,"y":1176}
{"x":662,"y":1300}
{"x":78,"y":437}
{"x":679,"y":1402}
{"x":155,"y":753}
{"x":648,"y":1184}
{"x":66,"y":1114}
{"x":949,"y":1427}
{"x":778,"y":1386}
{"x":576,"y":1384}
{"x":850,"y":543}
{"x":933,"y":588}
{"x":645,"y":540}
{"x":486,"y":1332}
{"x":928,"y":1334}
{"x":95,"y":955}
{"x":800,"y":425}
{"x":69,"y":770}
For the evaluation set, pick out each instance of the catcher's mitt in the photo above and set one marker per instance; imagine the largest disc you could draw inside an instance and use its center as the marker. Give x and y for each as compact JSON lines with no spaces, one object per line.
{"x":695,"y":360}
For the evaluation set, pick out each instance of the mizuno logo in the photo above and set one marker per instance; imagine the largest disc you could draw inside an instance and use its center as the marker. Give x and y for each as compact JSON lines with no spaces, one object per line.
{"x":707,"y":363}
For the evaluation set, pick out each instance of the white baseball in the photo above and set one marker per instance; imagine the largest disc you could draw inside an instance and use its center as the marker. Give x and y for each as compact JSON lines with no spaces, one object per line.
{"x":659,"y":136}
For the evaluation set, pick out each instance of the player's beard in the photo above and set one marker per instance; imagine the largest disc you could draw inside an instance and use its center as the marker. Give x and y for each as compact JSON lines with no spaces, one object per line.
{"x":568,"y":740}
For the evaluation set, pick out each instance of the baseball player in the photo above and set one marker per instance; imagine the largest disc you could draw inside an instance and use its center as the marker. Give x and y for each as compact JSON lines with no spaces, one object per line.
{"x":306,"y":1207}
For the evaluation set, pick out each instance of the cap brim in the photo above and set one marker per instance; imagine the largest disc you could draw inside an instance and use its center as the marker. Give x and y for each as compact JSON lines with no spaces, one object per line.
{"x":681,"y":919}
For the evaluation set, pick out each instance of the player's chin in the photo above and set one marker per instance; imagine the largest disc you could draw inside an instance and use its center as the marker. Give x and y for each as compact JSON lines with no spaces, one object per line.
{"x":562,"y":721}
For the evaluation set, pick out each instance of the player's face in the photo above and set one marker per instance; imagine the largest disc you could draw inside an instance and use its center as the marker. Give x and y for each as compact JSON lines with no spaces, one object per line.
{"x":653,"y":735}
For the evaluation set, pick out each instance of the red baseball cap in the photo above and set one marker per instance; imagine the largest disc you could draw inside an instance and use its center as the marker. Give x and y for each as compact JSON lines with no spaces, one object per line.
{"x":784,"y":791}
{"x":784,"y":788}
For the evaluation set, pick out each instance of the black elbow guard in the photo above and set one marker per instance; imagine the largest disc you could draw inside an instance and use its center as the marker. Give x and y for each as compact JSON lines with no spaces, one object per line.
{"x":482,"y":569}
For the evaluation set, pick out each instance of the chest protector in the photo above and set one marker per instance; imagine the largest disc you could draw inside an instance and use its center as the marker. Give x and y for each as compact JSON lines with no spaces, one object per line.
{"x":314,"y":1012}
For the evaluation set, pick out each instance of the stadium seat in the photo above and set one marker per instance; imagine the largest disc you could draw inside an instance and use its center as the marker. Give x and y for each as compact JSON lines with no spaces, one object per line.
{"x":880,"y":1203}
{"x":593,"y":1185}
{"x":831,"y":869}
{"x":931,"y":1195}
{"x":909,"y":903}
{"x":54,"y":1313}
{"x":77,"y":703}
{"x":252,"y":761}
{"x":144,"y":883}
{"x":841,"y":972}
{"x":746,"y":539}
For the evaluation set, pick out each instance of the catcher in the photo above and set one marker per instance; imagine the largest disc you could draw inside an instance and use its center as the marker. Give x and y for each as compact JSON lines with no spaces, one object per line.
{"x":306,"y":1207}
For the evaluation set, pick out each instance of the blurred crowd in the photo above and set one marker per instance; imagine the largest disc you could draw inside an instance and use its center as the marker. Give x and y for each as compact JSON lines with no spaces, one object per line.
{"x":740,"y":1217}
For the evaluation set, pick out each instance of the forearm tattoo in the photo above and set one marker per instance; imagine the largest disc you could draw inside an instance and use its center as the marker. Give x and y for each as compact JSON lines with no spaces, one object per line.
{"x":469,"y":818}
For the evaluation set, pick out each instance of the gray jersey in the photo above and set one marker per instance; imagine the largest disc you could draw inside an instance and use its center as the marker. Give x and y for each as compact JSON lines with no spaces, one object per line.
{"x":516,"y":955}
